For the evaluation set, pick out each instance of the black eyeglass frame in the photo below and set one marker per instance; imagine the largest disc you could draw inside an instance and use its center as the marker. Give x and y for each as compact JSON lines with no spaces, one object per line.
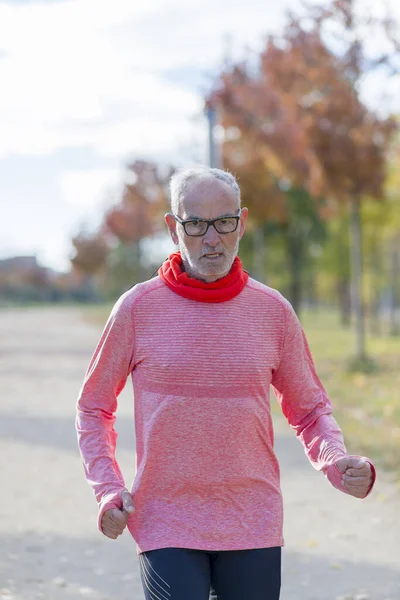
{"x":210,"y":223}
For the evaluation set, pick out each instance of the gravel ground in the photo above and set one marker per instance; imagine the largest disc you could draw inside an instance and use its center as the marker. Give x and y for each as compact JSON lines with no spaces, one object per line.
{"x":337,"y":547}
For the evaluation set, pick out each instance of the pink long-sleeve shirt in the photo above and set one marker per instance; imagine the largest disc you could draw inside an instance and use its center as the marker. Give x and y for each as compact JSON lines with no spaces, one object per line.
{"x":206,"y":474}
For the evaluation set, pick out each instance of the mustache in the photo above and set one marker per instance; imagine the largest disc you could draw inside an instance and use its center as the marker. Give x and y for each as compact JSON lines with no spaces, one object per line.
{"x":212,"y":251}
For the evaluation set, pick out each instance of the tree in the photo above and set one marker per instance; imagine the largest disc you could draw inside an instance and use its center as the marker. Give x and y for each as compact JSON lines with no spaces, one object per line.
{"x":260,"y":193}
{"x":90,"y":254}
{"x":386,"y":238}
{"x":143,"y":201}
{"x":362,"y":170}
{"x":137,"y":216}
{"x":265,"y":148}
{"x":91,"y":251}
{"x":303,"y":103}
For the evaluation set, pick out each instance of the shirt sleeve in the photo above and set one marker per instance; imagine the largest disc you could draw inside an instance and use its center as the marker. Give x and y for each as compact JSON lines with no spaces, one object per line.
{"x":105,"y":378}
{"x":305,"y":403}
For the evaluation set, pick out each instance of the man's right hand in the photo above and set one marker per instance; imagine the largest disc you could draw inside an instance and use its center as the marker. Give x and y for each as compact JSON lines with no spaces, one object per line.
{"x":114,"y":520}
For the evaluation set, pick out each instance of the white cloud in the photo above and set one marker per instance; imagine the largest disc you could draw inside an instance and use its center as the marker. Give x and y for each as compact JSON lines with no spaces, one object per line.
{"x":65,"y":65}
{"x":87,"y":189}
{"x":72,"y":67}
{"x":61,"y":67}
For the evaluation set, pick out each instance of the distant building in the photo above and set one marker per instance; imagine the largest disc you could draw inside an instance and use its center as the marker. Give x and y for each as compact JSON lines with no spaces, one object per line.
{"x":18,"y":263}
{"x":23,"y":277}
{"x":23,"y":269}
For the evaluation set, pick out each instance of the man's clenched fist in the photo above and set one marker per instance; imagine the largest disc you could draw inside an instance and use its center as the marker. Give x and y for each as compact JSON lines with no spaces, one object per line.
{"x":114,"y":520}
{"x":357,"y":475}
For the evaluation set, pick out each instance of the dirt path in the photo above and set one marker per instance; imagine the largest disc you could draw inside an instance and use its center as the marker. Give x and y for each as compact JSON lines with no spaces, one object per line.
{"x":337,"y":547}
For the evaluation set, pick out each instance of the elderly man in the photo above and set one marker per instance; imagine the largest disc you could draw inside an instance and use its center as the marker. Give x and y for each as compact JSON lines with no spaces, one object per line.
{"x":203,"y":342}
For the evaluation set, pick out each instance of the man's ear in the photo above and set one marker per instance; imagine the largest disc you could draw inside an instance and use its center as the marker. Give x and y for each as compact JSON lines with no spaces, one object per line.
{"x":242,"y":222}
{"x":171,"y":224}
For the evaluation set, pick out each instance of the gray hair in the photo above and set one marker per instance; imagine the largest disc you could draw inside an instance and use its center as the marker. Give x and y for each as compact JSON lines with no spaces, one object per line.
{"x":181,"y":179}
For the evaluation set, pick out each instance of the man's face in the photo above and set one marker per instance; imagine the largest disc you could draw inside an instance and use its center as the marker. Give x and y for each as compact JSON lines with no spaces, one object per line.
{"x":208,"y":257}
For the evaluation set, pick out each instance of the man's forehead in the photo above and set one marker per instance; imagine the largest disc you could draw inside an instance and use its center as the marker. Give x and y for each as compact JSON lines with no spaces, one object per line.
{"x":207,"y":184}
{"x":207,"y":193}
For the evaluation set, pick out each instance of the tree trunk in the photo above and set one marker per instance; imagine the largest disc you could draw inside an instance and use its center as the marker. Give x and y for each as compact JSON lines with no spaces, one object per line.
{"x":295,"y":290}
{"x":259,"y":254}
{"x":133,"y":263}
{"x":311,"y":292}
{"x":295,"y":255}
{"x":356,"y":278}
{"x":394,"y":324}
{"x":90,"y":287}
{"x":376,"y":267}
{"x":343,"y":291}
{"x":375,"y":315}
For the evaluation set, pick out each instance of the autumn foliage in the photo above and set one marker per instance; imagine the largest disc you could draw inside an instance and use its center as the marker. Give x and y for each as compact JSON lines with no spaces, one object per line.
{"x":294,"y":116}
{"x":299,"y":109}
{"x":143,"y":201}
{"x":90,"y":252}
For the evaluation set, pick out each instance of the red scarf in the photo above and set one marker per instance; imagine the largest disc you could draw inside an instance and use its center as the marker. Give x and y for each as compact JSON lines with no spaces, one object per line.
{"x":172,"y":274}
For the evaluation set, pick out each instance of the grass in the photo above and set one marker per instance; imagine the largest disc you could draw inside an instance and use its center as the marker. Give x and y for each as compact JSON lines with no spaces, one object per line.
{"x":365,"y":404}
{"x":96,"y":314}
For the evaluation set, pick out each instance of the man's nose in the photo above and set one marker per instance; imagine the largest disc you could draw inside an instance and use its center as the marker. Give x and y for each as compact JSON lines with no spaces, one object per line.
{"x":212,"y":236}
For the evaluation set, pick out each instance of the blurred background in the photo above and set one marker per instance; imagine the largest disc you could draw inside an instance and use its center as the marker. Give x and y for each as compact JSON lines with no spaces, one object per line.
{"x":99,"y":104}
{"x":101,"y":101}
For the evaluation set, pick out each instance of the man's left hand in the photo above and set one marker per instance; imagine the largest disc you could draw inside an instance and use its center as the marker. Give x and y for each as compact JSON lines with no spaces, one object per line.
{"x":357,"y":475}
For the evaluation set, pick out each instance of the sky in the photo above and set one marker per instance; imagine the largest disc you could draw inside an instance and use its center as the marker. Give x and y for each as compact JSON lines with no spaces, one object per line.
{"x":86,"y":86}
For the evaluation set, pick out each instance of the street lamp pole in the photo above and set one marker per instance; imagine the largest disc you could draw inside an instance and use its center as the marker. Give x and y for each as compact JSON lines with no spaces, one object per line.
{"x":213,"y":150}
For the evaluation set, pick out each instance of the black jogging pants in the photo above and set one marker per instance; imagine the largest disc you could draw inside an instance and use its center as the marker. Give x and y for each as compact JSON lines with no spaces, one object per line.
{"x":184,"y":574}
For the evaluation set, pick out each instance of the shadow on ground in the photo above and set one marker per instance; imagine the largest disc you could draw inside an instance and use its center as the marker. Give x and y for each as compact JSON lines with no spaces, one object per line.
{"x":54,"y":567}
{"x":55,"y":432}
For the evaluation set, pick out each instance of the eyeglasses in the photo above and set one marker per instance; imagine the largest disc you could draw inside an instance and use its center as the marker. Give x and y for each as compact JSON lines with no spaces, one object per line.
{"x":199,"y":227}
